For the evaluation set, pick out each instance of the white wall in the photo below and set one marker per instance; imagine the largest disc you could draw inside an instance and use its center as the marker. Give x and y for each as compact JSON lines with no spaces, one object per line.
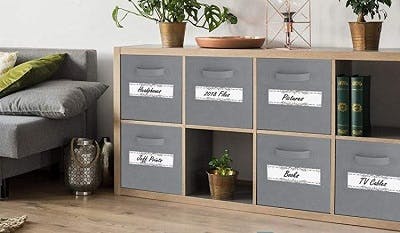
{"x":88,"y":24}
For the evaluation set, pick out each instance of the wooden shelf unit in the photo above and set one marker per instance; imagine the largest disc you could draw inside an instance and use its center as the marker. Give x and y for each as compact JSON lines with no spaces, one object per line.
{"x":340,"y":60}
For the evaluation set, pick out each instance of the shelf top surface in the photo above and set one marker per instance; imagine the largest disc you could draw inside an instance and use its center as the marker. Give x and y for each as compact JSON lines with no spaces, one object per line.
{"x":313,"y":53}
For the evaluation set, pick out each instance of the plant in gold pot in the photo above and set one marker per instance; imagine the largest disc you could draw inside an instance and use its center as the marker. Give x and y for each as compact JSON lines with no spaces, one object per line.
{"x":222,"y":177}
{"x":366,"y":35}
{"x":172,"y":16}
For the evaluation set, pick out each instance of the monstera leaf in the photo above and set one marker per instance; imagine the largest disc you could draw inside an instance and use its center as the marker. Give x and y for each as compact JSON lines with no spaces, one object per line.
{"x":201,"y":15}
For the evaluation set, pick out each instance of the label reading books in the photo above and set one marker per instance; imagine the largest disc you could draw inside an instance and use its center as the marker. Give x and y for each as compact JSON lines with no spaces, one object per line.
{"x":226,"y":94}
{"x":295,"y":98}
{"x":294,"y":174}
{"x":373,"y":182}
{"x":151,"y":159}
{"x":165,"y":91}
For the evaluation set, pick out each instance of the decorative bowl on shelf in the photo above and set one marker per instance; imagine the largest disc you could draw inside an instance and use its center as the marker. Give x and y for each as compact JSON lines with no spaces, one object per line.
{"x":231,"y":42}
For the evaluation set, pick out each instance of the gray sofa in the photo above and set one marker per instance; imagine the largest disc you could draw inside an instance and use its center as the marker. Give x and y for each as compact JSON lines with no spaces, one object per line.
{"x":28,"y":143}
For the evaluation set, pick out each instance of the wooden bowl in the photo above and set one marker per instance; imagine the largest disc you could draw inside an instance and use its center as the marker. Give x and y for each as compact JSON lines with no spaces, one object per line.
{"x":231,"y":42}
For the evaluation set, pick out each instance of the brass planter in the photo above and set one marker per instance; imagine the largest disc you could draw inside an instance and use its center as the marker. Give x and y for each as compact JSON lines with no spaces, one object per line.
{"x":172,"y":34}
{"x":221,"y":187}
{"x":365,"y":35}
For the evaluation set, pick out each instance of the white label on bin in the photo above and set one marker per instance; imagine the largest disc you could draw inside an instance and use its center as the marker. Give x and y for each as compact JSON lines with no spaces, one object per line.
{"x":226,"y":94}
{"x":151,"y":159}
{"x":294,"y":174}
{"x":165,"y":91}
{"x":295,"y":98}
{"x":373,"y":182}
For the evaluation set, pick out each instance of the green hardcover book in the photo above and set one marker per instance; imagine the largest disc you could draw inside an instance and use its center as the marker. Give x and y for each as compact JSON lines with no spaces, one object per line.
{"x":360,"y":92}
{"x":343,"y":105}
{"x":367,"y":104}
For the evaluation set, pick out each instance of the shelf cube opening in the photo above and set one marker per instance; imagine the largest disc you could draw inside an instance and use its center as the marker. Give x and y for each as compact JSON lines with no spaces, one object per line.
{"x":201,"y":145}
{"x":384,"y":94}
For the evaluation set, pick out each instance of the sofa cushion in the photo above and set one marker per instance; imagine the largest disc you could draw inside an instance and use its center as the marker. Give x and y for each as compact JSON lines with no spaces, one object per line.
{"x":30,"y":73}
{"x":7,"y":61}
{"x":55,"y":99}
{"x":26,"y":135}
{"x":79,"y":64}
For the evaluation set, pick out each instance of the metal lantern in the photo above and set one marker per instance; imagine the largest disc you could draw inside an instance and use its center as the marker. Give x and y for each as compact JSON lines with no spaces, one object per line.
{"x":83,"y":166}
{"x":288,"y":24}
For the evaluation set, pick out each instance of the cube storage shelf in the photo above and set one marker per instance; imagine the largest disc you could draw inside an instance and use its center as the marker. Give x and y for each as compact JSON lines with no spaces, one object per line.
{"x":275,"y":111}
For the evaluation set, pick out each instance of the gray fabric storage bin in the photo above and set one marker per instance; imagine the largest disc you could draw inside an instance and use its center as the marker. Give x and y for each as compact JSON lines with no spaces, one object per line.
{"x":152,"y":139}
{"x":165,"y":70}
{"x":311,"y":189}
{"x":232,"y":73}
{"x":376,"y":159}
{"x":294,"y":75}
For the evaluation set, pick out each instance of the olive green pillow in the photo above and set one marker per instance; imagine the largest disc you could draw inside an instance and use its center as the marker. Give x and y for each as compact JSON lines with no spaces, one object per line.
{"x":30,"y":73}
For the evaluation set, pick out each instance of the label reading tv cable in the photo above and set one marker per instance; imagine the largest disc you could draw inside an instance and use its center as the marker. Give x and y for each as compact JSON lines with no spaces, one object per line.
{"x":373,"y":182}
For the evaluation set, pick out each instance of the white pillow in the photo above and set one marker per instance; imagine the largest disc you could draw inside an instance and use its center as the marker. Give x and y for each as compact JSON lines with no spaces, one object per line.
{"x":7,"y":61}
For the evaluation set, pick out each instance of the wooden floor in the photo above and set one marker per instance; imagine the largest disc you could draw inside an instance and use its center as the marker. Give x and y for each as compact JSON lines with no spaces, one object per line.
{"x":50,"y":208}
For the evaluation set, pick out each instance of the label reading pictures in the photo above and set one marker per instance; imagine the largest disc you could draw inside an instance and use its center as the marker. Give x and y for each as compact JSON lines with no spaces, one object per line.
{"x":151,"y":159}
{"x":373,"y":182}
{"x":295,"y":98}
{"x":226,"y":94}
{"x":294,"y":174}
{"x":165,"y":91}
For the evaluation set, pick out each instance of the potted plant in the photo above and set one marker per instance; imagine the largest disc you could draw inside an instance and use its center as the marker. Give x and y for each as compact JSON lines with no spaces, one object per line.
{"x":366,"y":35}
{"x":221,"y":177}
{"x":172,"y":16}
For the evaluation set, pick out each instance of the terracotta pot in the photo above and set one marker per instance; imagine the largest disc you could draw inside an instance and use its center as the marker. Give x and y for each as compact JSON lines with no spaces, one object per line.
{"x":172,"y":34}
{"x":221,"y":187}
{"x":365,"y":35}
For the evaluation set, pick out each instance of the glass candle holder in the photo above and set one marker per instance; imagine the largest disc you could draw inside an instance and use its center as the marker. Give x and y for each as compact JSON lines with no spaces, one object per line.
{"x":288,"y":24}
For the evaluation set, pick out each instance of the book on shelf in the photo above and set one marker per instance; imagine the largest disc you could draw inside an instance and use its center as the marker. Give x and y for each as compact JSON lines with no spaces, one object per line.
{"x":360,"y":106}
{"x":343,"y":105}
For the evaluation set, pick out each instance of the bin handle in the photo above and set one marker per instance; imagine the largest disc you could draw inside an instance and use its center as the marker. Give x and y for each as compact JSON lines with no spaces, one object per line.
{"x":293,"y":77}
{"x":150,"y":141}
{"x":79,"y":160}
{"x":150,"y":72}
{"x":365,"y":160}
{"x":217,"y":74}
{"x":292,"y":154}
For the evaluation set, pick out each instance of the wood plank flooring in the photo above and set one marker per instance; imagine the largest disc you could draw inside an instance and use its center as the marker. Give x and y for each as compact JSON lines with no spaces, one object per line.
{"x":50,"y":208}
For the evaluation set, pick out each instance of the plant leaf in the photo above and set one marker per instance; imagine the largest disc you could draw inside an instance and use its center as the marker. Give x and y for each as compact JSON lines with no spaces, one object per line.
{"x":369,"y":7}
{"x":115,"y":17}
